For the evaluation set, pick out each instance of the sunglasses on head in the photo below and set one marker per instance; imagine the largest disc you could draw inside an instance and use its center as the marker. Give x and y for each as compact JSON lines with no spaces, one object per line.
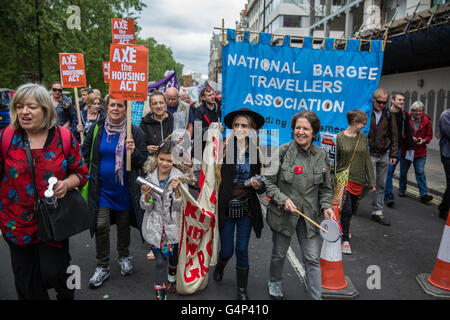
{"x":57,"y":90}
{"x":380,"y":102}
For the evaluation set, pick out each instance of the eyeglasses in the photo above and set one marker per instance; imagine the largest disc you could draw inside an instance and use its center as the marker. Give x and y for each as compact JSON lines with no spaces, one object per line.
{"x":380,"y":102}
{"x":57,"y":90}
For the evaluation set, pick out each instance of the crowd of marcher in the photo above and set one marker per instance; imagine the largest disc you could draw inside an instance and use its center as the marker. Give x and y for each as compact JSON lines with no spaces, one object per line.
{"x":302,"y":182}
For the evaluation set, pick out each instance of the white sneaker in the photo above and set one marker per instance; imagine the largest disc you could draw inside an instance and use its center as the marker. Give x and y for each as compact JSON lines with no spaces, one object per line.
{"x":126,"y":268}
{"x":275,"y":290}
{"x":100,"y":275}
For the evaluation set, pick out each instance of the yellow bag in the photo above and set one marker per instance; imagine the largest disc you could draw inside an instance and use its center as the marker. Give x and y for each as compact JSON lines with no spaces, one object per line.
{"x":341,"y":181}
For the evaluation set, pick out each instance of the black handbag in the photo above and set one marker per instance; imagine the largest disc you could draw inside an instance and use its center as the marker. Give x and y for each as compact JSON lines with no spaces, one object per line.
{"x":71,"y":214}
{"x":238,"y":208}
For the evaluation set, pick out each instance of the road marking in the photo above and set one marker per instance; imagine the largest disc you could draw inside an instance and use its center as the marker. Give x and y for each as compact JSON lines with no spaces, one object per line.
{"x":415,"y":192}
{"x":298,"y":267}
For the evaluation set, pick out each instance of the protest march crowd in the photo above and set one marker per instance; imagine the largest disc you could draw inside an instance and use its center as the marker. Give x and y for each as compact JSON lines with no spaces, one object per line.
{"x":44,"y":126}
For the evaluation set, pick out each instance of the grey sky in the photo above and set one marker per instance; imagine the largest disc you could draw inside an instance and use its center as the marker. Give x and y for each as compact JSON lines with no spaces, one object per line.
{"x":186,"y":26}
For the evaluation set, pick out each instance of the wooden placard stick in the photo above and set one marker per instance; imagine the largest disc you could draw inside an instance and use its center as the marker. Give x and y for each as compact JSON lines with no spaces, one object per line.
{"x":129,"y":134}
{"x":77,"y":106}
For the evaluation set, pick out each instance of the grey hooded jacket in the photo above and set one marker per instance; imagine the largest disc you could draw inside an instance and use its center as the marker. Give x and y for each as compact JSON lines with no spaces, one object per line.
{"x":165,"y":212}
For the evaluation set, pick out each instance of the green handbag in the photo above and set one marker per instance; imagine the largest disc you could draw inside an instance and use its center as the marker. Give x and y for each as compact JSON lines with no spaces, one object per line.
{"x":85,"y":189}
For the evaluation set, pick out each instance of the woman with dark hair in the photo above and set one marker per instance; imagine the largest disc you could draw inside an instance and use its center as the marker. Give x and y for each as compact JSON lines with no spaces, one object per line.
{"x":238,"y":204}
{"x":113,"y":194}
{"x":157,"y":124}
{"x":302,"y":183}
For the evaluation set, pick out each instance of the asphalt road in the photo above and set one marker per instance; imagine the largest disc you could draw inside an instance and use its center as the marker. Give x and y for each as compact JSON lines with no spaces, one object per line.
{"x":402,"y":251}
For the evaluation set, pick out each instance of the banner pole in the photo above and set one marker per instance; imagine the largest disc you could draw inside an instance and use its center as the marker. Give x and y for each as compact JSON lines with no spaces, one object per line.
{"x":223,"y":32}
{"x":129,"y":135}
{"x":77,"y":105}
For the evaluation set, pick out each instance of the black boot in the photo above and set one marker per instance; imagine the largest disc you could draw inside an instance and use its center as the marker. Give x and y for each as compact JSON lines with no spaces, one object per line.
{"x":242,"y":279}
{"x":218,"y":270}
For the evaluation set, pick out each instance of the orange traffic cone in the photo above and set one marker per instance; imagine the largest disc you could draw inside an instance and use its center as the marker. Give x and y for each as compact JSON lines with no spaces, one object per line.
{"x":438,"y":283}
{"x":334,"y":283}
{"x":331,"y":266}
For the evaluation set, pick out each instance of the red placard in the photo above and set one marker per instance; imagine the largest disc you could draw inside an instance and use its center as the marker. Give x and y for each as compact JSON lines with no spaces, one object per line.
{"x":106,"y":71}
{"x":128,"y":72}
{"x":71,"y":67}
{"x":122,"y":31}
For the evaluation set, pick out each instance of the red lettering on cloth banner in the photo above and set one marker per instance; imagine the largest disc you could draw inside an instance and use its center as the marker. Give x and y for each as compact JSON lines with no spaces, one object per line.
{"x":197,"y":234}
{"x":208,"y":247}
{"x":201,"y":180}
{"x":195,"y":273}
{"x":201,"y":259}
{"x":190,"y":210}
{"x":190,"y":247}
{"x":213,"y":199}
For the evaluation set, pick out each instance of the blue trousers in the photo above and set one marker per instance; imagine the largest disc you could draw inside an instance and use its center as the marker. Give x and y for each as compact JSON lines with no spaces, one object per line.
{"x":388,"y":188}
{"x":243,"y":230}
{"x":419,"y":168}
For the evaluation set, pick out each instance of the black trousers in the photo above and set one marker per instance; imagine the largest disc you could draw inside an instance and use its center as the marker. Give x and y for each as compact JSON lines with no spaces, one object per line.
{"x":445,"y":204}
{"x":40,"y":267}
{"x":346,"y":214}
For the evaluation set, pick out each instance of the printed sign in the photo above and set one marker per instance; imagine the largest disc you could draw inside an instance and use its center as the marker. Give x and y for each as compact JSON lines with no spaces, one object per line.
{"x":329,"y":145}
{"x":123,"y":31}
{"x":280,"y":81}
{"x":106,"y":71}
{"x":71,"y":66}
{"x":128,"y":72}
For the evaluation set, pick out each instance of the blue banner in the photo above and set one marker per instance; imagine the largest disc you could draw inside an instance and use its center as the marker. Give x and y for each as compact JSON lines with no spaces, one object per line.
{"x":278,"y":81}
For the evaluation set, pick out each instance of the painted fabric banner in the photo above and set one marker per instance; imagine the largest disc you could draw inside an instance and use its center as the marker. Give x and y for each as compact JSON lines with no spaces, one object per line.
{"x":163,"y":84}
{"x":279,"y":81}
{"x":199,"y":228}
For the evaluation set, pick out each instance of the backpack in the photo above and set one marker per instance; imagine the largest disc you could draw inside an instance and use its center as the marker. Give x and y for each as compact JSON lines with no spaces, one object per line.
{"x":8,"y":134}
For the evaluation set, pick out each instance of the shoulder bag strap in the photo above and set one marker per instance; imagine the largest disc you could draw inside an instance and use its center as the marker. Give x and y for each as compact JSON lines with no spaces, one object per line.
{"x":354,"y":151}
{"x":30,"y":162}
{"x":65,"y":138}
{"x":7,"y":135}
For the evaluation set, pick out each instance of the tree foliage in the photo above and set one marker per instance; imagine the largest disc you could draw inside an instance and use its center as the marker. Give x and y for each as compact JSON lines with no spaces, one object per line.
{"x":160,"y":59}
{"x":20,"y":38}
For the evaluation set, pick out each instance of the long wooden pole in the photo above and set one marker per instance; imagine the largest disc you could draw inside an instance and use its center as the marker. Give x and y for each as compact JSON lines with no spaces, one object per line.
{"x":318,"y":226}
{"x":292,"y":36}
{"x":129,"y":134}
{"x":77,"y":106}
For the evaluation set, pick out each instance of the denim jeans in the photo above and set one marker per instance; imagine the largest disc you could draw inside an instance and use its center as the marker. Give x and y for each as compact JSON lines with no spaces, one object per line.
{"x":380,"y":167}
{"x":310,"y":256}
{"x":419,"y":168}
{"x":244,"y":228}
{"x":390,"y":174}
